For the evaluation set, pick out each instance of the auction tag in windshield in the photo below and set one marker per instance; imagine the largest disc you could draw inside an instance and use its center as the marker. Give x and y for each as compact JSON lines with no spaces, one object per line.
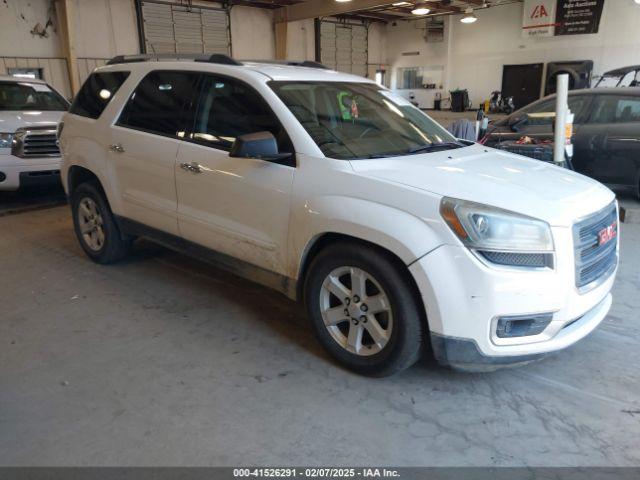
{"x":395,"y":98}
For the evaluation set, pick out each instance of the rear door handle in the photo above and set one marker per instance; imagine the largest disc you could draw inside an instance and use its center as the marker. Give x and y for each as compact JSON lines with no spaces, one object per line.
{"x":192,"y":167}
{"x":116,"y":147}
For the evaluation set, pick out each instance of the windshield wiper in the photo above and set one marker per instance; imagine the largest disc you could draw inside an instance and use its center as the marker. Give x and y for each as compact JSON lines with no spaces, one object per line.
{"x":434,"y":146}
{"x":420,"y":149}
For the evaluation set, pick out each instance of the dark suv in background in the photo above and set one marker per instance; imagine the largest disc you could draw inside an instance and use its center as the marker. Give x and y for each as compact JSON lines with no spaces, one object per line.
{"x":606,"y":132}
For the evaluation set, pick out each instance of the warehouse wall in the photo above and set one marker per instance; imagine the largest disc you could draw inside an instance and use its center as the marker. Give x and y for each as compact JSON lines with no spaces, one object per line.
{"x":377,"y":48}
{"x":474,"y":54}
{"x":301,"y":43}
{"x":17,"y":18}
{"x":407,"y":38}
{"x":104,"y":28}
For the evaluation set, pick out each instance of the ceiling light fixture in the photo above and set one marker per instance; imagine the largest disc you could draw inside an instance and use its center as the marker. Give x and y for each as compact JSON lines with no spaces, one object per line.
{"x":469,"y":17}
{"x":420,"y":9}
{"x":343,"y":1}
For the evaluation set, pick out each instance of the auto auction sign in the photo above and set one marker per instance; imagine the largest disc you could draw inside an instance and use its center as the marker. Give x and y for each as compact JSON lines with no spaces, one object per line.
{"x":577,"y":17}
{"x":539,"y":18}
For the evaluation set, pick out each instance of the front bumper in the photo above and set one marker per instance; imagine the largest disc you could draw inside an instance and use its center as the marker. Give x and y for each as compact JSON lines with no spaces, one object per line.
{"x":463,"y":298}
{"x":31,"y":170}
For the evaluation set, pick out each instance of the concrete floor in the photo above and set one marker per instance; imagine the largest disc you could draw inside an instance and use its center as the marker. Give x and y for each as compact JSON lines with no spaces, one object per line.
{"x":163,"y":361}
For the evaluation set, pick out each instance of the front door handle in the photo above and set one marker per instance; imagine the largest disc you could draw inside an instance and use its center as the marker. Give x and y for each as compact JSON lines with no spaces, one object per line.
{"x":192,"y":167}
{"x":117,"y":148}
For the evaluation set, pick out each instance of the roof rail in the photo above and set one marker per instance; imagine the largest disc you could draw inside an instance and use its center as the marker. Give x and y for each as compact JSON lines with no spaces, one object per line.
{"x":199,"y":57}
{"x":292,"y":63}
{"x":310,"y":64}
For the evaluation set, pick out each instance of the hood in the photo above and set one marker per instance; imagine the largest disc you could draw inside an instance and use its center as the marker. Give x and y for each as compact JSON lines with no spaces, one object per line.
{"x":494,"y":177}
{"x":10,"y":121}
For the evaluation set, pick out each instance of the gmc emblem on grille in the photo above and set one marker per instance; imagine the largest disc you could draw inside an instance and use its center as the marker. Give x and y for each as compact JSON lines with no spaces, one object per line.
{"x":608,"y":233}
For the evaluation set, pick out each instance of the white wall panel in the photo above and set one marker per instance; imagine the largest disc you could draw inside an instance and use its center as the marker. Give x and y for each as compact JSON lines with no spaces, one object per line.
{"x":473,"y":55}
{"x":252,"y":33}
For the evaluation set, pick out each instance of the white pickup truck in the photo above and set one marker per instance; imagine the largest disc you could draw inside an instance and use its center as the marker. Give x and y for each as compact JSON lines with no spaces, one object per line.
{"x":30,"y":111}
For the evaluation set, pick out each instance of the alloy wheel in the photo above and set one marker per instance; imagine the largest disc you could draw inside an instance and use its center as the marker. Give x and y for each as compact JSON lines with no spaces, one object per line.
{"x":91,"y":224}
{"x":356,"y":311}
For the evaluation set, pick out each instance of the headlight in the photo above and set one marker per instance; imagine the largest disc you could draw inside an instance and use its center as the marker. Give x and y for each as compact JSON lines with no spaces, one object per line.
{"x":491,"y":229}
{"x":5,"y":140}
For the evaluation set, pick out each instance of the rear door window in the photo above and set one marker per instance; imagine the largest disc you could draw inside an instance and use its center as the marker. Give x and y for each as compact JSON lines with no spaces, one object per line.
{"x":160,"y":102}
{"x":96,"y":93}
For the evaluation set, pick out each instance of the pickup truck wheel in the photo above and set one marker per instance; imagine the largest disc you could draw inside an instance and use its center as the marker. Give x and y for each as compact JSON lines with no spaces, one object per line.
{"x":363,"y":309}
{"x":95,"y":226}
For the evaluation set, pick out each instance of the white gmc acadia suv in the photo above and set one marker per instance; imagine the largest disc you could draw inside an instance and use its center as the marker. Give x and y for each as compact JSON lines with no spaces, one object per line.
{"x":333,"y":190}
{"x":30,"y":111}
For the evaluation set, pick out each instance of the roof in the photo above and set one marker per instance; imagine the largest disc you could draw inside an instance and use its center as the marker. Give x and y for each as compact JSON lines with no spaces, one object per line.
{"x":607,"y":91}
{"x":633,"y":91}
{"x":301,"y":73}
{"x":272,"y":70}
{"x":9,"y":78}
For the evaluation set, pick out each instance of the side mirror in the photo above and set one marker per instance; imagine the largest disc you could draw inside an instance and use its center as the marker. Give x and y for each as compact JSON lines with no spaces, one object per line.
{"x":262,"y":145}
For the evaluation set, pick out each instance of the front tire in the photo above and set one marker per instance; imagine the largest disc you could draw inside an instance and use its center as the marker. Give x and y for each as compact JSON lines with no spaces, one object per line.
{"x":363,"y":309}
{"x":95,"y":225}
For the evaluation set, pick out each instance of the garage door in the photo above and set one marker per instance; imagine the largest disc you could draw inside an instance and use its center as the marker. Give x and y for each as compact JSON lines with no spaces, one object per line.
{"x":174,"y":28}
{"x":343,"y":47}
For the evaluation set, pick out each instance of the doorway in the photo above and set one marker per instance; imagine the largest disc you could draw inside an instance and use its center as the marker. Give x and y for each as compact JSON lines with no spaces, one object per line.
{"x":522,"y":82}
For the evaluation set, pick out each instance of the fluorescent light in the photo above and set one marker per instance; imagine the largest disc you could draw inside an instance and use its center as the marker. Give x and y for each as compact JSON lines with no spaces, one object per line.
{"x":343,"y":1}
{"x":420,"y":9}
{"x":469,"y":17}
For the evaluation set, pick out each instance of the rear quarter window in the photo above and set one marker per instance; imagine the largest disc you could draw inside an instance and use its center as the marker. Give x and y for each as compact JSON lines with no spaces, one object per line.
{"x":96,"y":93}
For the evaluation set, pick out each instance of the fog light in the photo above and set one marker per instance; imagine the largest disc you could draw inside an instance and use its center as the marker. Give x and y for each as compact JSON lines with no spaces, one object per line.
{"x":522,"y":326}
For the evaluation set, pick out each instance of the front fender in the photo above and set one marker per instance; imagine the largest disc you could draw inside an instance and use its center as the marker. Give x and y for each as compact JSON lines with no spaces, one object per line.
{"x":403,"y":234}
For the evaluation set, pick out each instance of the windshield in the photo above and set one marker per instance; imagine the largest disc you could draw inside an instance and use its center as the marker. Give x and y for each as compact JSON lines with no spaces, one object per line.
{"x":25,"y":96}
{"x":360,"y":120}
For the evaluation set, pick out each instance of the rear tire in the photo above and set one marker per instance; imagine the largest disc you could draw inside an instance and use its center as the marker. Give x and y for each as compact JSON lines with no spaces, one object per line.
{"x":95,"y":225}
{"x":363,"y":309}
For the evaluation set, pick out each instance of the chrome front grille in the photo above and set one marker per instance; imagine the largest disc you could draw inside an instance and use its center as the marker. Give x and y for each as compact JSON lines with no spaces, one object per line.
{"x":595,"y":261}
{"x":35,"y":143}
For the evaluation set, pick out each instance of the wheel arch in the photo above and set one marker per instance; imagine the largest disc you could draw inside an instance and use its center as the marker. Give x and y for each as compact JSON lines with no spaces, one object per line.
{"x":405,"y":236}
{"x":326,"y":239}
{"x":78,"y":175}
